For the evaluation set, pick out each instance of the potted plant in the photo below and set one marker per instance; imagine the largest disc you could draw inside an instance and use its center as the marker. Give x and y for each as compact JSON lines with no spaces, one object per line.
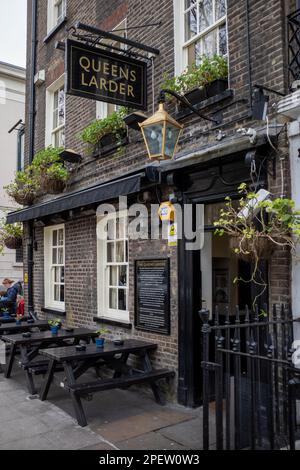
{"x":11,"y":235}
{"x":257,"y":227}
{"x":199,"y":82}
{"x":25,"y":188}
{"x":54,"y":326}
{"x":101,"y":340}
{"x":51,"y":170}
{"x":110,"y":131}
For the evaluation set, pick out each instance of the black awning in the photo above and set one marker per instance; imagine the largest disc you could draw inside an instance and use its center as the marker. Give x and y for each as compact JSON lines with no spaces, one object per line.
{"x":83,"y":198}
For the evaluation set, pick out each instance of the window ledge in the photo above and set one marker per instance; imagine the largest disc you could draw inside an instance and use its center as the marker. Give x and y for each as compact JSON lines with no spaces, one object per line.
{"x":206,"y":103}
{"x":55,"y":30}
{"x":52,"y":311}
{"x":109,"y":321}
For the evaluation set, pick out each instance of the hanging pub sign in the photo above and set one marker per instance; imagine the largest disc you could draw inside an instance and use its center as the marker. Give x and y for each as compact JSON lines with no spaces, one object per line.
{"x":106,"y":76}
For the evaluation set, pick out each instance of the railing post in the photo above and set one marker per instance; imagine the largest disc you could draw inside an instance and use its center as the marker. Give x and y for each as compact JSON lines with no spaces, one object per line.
{"x":204,"y":315}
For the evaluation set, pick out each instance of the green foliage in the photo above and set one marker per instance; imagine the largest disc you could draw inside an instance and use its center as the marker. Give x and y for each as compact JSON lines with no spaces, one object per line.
{"x":198,"y":76}
{"x":25,"y":187}
{"x":54,"y":323}
{"x":102,"y":331}
{"x":9,"y":231}
{"x":48,"y":163}
{"x":112,"y":124}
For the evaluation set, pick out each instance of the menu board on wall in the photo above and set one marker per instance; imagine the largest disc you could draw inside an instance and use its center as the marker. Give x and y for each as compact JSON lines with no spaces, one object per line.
{"x":152,"y":295}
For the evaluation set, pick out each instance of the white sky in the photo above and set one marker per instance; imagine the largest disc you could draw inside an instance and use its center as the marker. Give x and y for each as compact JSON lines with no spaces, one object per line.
{"x":13,"y":32}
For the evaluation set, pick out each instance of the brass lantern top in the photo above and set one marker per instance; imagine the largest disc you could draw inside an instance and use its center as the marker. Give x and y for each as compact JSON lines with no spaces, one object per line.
{"x":160,"y":116}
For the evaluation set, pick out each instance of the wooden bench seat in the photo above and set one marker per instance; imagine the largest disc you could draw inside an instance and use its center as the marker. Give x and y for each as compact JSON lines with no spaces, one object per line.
{"x":39,"y":367}
{"x":107,"y":384}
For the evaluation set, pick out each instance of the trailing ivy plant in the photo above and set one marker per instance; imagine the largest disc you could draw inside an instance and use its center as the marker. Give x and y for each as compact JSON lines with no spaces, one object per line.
{"x":112,"y":124}
{"x":257,"y":228}
{"x":198,"y":76}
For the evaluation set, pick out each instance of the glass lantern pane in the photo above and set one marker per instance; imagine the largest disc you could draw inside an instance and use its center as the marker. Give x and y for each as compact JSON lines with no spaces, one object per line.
{"x":172,"y":134}
{"x":154,"y":138}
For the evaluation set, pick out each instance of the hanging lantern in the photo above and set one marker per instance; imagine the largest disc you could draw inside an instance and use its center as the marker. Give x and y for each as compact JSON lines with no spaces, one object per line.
{"x":161,"y":134}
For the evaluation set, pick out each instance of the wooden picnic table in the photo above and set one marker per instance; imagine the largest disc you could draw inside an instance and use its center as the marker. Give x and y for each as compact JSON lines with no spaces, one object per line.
{"x":76,"y":363}
{"x":29,"y":349}
{"x":12,"y":328}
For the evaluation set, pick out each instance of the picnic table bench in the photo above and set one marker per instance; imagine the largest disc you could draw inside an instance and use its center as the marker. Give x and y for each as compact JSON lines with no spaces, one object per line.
{"x":76,"y":363}
{"x":12,"y":328}
{"x":30,"y":347}
{"x":4,"y":321}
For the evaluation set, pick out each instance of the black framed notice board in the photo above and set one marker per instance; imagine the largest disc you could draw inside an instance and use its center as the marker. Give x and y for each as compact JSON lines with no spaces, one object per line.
{"x":152,"y":295}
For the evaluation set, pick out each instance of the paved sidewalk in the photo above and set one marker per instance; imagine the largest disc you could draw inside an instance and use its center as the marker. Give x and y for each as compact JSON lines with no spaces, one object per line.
{"x":117,"y":419}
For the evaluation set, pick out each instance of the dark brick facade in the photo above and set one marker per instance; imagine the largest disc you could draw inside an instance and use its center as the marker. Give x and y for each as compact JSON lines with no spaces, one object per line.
{"x":268,"y":57}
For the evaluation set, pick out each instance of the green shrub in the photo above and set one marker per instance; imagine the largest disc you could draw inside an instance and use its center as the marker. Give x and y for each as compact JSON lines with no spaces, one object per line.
{"x":112,"y":124}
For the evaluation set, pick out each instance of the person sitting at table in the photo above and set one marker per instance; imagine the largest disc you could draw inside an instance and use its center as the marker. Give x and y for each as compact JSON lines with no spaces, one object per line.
{"x":9,"y":300}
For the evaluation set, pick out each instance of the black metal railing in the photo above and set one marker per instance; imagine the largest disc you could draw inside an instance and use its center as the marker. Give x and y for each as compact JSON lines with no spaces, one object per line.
{"x":248,"y":379}
{"x":294,"y":46}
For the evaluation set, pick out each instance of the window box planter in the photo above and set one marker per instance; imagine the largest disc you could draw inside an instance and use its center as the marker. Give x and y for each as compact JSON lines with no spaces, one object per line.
{"x":13,"y":243}
{"x":110,"y":143}
{"x":25,"y":199}
{"x":52,"y":185}
{"x":216,"y":87}
{"x":197,"y":95}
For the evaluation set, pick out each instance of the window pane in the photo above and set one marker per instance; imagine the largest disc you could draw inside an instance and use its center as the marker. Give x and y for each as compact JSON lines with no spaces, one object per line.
{"x":56,"y":293}
{"x":210,"y":44}
{"x":122,"y":299}
{"x":111,"y":229}
{"x":110,"y":252}
{"x":61,"y":237}
{"x":61,"y":107}
{"x":123,"y":276}
{"x":56,"y":275}
{"x":121,"y":222}
{"x":54,"y":256}
{"x":190,"y":24}
{"x":120,"y":252}
{"x":113,"y":298}
{"x":189,"y":3}
{"x":62,"y":275}
{"x":222,"y":40}
{"x":220,"y":9}
{"x":205,"y":14}
{"x":60,"y":256}
{"x":62,"y":293}
{"x":113,"y":276}
{"x":194,"y":53}
{"x":126,"y":252}
{"x":54,"y":238}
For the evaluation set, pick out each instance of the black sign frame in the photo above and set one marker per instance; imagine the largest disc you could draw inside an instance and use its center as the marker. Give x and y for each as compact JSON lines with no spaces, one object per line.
{"x":166,"y":331}
{"x":108,"y":56}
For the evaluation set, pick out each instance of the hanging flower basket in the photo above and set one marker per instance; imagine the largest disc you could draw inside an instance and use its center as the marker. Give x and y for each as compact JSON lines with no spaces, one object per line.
{"x":258,"y":248}
{"x":52,"y":185}
{"x":13,"y":243}
{"x":24,"y":198}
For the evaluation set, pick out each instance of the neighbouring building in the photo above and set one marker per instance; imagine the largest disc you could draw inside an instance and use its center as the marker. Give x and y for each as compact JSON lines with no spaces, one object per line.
{"x":87,"y":280}
{"x":12,"y":111}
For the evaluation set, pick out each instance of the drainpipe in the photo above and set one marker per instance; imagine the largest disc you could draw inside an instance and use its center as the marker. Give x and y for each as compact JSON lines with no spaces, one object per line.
{"x":31,"y":151}
{"x":249,"y":52}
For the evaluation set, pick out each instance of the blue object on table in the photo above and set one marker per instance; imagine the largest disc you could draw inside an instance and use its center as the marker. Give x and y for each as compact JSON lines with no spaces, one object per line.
{"x":100,"y":342}
{"x":54,"y":330}
{"x":18,"y":322}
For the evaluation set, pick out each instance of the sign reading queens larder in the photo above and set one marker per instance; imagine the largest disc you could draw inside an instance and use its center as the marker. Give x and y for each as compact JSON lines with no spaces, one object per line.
{"x":106,"y":76}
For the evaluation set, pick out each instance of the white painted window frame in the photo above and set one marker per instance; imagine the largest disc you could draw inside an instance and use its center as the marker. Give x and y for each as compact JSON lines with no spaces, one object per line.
{"x":52,"y":18}
{"x":48,"y":268}
{"x":101,"y":106}
{"x":103,"y":276}
{"x":50,"y":92}
{"x":181,"y":46}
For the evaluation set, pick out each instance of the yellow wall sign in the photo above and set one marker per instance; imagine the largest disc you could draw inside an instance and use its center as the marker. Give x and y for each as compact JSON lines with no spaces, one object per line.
{"x":172,"y":234}
{"x":166,"y":211}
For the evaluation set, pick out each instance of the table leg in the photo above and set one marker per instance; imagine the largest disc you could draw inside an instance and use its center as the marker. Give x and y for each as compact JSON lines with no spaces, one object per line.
{"x":79,"y":411}
{"x":10,"y":361}
{"x":48,"y":380}
{"x":123,"y":360}
{"x":158,"y":395}
{"x":25,"y":359}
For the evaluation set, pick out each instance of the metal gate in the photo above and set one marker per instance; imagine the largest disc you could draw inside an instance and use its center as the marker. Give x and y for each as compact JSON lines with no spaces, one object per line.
{"x":249,"y":383}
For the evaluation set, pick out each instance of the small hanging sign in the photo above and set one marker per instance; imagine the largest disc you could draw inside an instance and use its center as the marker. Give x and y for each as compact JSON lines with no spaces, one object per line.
{"x":102,"y":75}
{"x":172,"y":234}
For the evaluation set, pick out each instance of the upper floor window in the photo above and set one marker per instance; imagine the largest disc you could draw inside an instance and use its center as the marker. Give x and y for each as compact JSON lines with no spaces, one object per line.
{"x":55,"y":114}
{"x":200,"y":29}
{"x":56,"y":13}
{"x":105,"y":109}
